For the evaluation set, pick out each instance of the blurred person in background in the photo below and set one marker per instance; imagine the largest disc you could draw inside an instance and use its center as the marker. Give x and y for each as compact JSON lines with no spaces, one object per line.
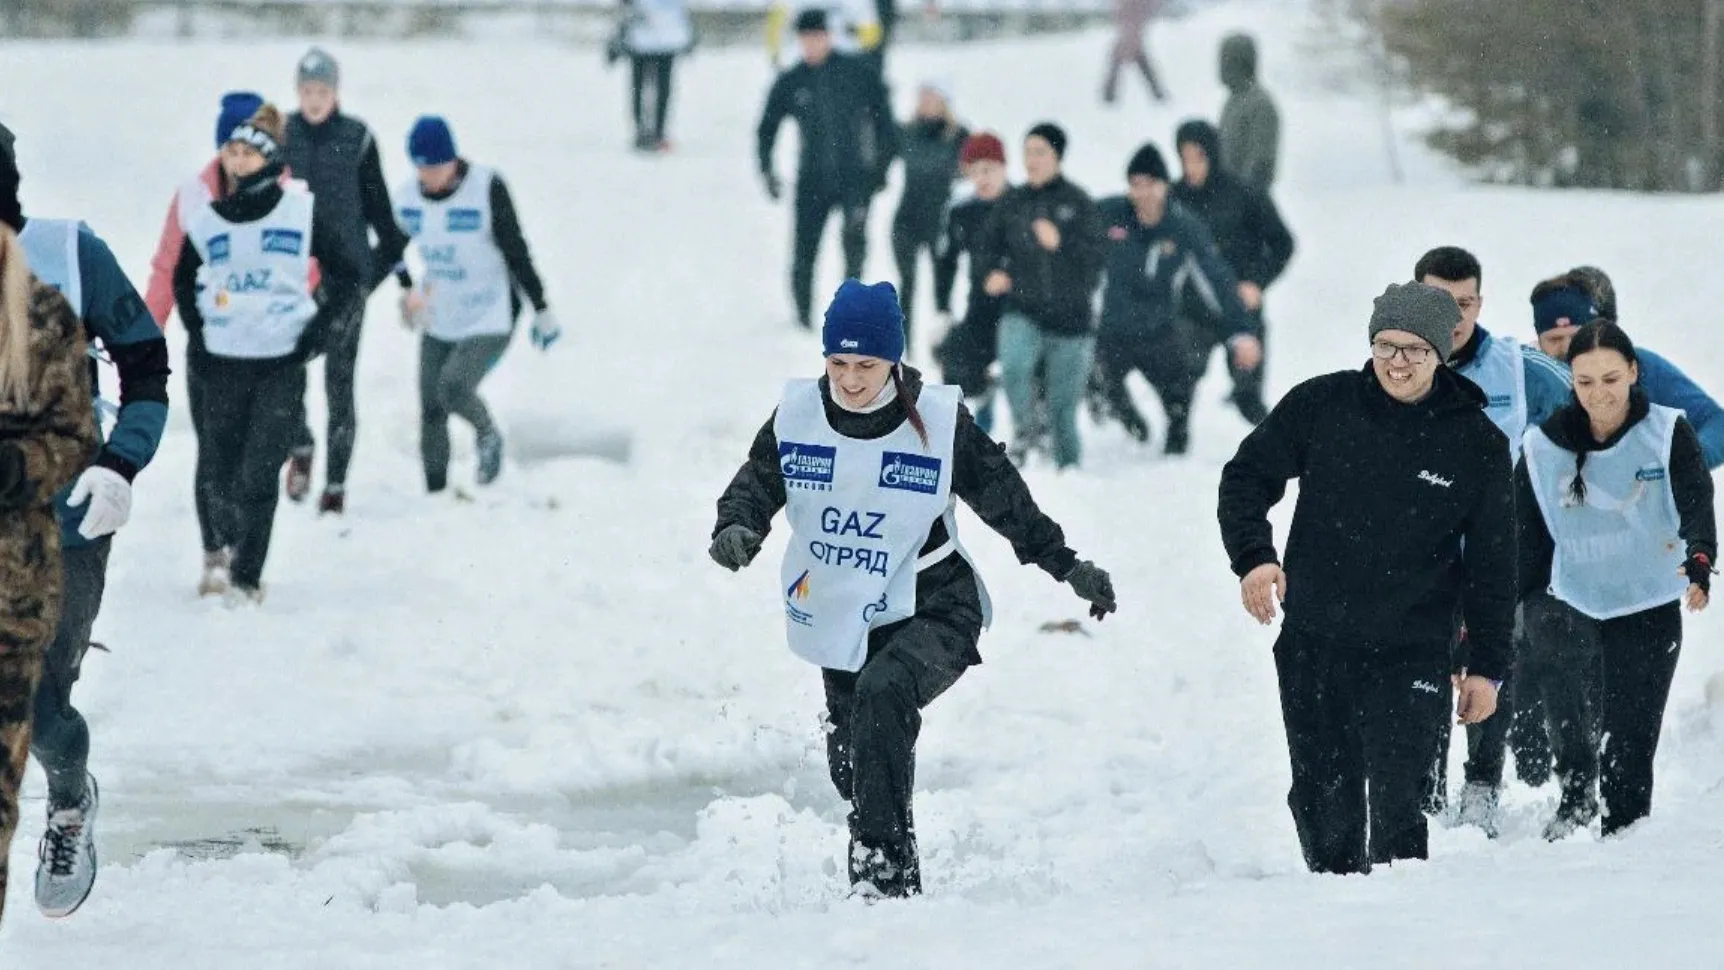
{"x":967,"y":351}
{"x":653,"y":34}
{"x":1131,"y":19}
{"x":1250,"y":124}
{"x":930,"y":145}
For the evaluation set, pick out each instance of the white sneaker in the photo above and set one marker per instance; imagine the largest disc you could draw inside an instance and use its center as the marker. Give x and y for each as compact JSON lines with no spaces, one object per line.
{"x":67,"y":869}
{"x":217,"y":573}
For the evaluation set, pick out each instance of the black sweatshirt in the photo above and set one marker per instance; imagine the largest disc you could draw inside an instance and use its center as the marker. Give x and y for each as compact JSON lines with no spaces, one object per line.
{"x":1571,"y":430}
{"x":1388,"y":492}
{"x":929,"y":147}
{"x":982,"y":476}
{"x":505,"y":232}
{"x":338,"y":159}
{"x":1054,"y":288}
{"x":339,"y":287}
{"x":845,"y":119}
{"x":964,"y":223}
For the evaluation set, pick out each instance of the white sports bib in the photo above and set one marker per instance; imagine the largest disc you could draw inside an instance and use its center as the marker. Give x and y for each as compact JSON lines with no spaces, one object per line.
{"x":466,"y":278}
{"x":254,"y":288}
{"x":1501,"y":373}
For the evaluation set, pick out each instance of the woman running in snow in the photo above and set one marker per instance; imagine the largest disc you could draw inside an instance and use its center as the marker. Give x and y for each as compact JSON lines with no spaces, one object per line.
{"x":477,"y":265}
{"x":47,"y":437}
{"x":867,"y":463}
{"x":930,"y":146}
{"x":244,"y":290}
{"x":1616,"y":521}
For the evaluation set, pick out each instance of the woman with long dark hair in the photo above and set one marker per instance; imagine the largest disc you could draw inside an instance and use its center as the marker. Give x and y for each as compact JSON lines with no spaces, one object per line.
{"x":1617,"y":534}
{"x":867,"y":463}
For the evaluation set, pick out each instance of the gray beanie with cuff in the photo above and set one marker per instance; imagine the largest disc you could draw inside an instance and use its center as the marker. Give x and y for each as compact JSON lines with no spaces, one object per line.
{"x":1420,"y":309}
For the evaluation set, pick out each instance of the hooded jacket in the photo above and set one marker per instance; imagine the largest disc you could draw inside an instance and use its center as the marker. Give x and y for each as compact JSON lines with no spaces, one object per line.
{"x":1250,"y":125}
{"x":1388,"y":494}
{"x":982,"y":476}
{"x":1245,"y":223}
{"x":1571,"y":430}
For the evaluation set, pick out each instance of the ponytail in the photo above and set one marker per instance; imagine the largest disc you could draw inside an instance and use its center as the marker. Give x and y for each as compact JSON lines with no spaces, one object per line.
{"x":910,"y":409}
{"x":1577,"y":488}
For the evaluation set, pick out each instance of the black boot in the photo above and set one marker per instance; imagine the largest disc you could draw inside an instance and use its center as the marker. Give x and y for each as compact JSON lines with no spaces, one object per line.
{"x":1178,"y":434}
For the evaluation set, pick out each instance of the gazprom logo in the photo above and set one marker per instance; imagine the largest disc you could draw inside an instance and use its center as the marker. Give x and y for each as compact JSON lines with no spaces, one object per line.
{"x":220,"y":248}
{"x":910,"y":473}
{"x":465,"y":220}
{"x":413,"y":220}
{"x":289,"y":241}
{"x":807,"y":466}
{"x":1501,"y":401}
{"x":1654,"y":473}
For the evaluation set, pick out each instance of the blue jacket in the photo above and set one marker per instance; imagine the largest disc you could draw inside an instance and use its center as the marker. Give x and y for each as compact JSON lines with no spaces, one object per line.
{"x":115,"y":317}
{"x":1665,"y":384}
{"x":1148,"y":265}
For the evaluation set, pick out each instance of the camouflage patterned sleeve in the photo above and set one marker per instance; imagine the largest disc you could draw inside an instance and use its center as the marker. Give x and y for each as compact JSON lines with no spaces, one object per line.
{"x":60,"y":439}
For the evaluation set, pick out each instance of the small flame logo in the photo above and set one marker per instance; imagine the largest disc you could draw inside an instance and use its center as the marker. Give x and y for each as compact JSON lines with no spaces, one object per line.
{"x":799,"y":590}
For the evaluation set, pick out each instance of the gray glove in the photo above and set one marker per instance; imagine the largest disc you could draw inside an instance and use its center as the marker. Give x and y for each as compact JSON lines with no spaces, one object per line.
{"x":735,"y":547}
{"x":1093,"y":584}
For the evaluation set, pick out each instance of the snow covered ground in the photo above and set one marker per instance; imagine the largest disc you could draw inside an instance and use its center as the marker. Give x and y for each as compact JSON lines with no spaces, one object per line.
{"x":541,"y":730}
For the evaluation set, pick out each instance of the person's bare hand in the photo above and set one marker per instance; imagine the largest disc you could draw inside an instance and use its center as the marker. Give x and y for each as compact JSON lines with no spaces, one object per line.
{"x":1247,"y":352}
{"x":1260,"y":591}
{"x":1251,"y":295}
{"x":1477,"y":700}
{"x":997,"y":283}
{"x":1047,"y":234}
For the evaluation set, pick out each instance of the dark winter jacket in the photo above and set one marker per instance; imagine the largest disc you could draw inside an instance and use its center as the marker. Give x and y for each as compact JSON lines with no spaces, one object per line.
{"x":1147,"y":266}
{"x":1388,"y":493}
{"x":982,"y":476}
{"x":930,"y":152}
{"x":338,"y":160}
{"x":845,"y":119}
{"x":1054,"y":289}
{"x":1245,"y":223}
{"x":339,"y":291}
{"x":1571,"y":430}
{"x":505,"y":232}
{"x":964,"y":224}
{"x":1250,"y":125}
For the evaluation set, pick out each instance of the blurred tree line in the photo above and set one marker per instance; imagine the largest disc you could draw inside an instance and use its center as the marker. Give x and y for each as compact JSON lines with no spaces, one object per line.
{"x":1589,"y":93}
{"x":65,"y":18}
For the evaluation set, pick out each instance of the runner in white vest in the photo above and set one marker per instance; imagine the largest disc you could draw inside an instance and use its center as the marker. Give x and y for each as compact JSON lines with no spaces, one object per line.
{"x":476,"y":266}
{"x":1616,"y":521}
{"x":1522,"y":389}
{"x":876,"y":590}
{"x":243,"y":286}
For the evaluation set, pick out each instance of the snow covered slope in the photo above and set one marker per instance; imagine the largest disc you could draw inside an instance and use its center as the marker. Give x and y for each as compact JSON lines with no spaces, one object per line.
{"x":541,"y":730}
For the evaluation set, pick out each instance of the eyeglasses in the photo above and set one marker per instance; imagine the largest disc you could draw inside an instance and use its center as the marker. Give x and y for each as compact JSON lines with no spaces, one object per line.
{"x":1412,"y":353}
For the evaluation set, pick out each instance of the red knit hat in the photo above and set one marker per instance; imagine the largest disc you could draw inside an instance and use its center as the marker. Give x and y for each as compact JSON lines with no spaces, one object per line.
{"x":983,"y":146}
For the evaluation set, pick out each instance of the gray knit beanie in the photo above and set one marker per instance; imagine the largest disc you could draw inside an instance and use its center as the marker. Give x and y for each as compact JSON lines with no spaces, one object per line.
{"x":317,"y":65}
{"x":1420,"y":309}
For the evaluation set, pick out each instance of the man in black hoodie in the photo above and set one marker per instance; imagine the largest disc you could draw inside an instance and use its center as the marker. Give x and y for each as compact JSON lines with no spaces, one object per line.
{"x":1252,"y":238}
{"x":1405,"y":509}
{"x":848,"y":140}
{"x":335,"y":154}
{"x":1043,"y":249}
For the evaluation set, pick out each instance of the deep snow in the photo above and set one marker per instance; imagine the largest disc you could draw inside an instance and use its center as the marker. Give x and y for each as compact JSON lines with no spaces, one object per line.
{"x":541,"y":729}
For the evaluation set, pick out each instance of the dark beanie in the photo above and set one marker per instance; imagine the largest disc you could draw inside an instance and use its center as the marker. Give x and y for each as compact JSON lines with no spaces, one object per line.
{"x":864,"y":319}
{"x":237,"y":107}
{"x":1051,"y":133}
{"x":11,"y":213}
{"x":431,"y":142}
{"x":1567,"y":306}
{"x":1420,"y":309}
{"x":811,"y":21}
{"x":1148,"y":161}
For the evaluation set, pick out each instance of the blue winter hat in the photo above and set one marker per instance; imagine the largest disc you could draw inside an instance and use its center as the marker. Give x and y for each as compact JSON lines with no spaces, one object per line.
{"x":430,"y":142}
{"x":865,"y":319}
{"x":237,"y":107}
{"x":1567,"y":306}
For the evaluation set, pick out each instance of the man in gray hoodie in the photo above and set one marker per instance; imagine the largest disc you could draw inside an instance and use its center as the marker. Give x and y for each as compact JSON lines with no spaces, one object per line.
{"x":1250,"y":125}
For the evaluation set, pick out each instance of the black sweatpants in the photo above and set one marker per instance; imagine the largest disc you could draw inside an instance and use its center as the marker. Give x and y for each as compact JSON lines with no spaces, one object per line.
{"x":215,"y":520}
{"x":874,"y":719}
{"x":1517,"y":725}
{"x":911,"y":236}
{"x":340,"y":365}
{"x":252,"y":412}
{"x":449,"y":376}
{"x":1606,"y":683}
{"x":1207,"y":334}
{"x":60,"y":739}
{"x":651,"y":96}
{"x":815,"y":201}
{"x":1170,"y":358}
{"x":1362,"y":724}
{"x":968,"y":350}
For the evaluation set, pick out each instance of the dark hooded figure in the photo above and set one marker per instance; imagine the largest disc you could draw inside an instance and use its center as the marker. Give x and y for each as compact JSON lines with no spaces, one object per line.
{"x":1250,"y":125}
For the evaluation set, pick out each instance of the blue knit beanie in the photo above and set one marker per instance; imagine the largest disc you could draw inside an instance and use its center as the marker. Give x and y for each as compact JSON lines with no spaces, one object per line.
{"x":237,"y":107}
{"x":430,"y":142}
{"x":1569,"y":305}
{"x":865,"y":319}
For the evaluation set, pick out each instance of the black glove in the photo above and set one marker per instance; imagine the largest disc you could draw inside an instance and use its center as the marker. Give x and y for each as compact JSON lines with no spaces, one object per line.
{"x":774,"y":187}
{"x":1699,"y":570}
{"x":1093,"y":584}
{"x":735,"y":547}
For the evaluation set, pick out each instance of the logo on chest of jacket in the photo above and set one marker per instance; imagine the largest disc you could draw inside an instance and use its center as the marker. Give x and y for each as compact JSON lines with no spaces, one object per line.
{"x":1652,"y":473}
{"x":1064,"y":213}
{"x":1426,"y":686}
{"x":465,"y":220}
{"x":412,"y":221}
{"x":220,"y":248}
{"x":1500,"y":401}
{"x":1118,"y":233}
{"x":288,"y":241}
{"x":1435,"y":479}
{"x":807,"y":467}
{"x":910,"y":473}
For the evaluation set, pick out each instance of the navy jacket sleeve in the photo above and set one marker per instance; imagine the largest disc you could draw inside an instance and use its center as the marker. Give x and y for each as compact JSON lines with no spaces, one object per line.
{"x":115,"y":316}
{"x":1272,"y":455}
{"x":1547,"y":385}
{"x":1691,"y":482}
{"x":985,"y":478}
{"x":1489,"y":549}
{"x":1666,"y":384}
{"x":756,"y":491}
{"x":1277,"y":243}
{"x":1201,"y":245}
{"x":506,"y":231}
